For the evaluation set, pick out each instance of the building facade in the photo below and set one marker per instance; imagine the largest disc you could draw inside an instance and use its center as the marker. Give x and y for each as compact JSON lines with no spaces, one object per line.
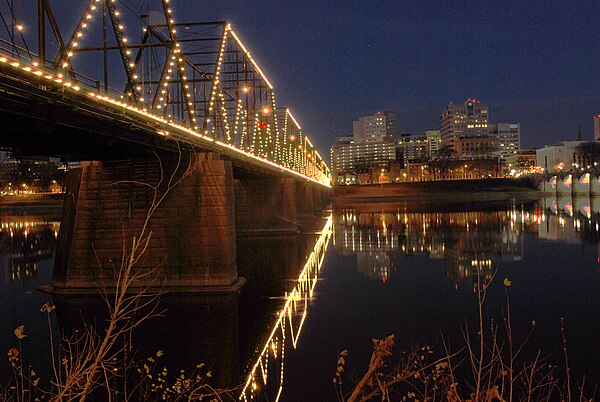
{"x":558,"y":157}
{"x":413,"y":148}
{"x":378,"y":127}
{"x":349,"y":159}
{"x":476,"y":145}
{"x":463,"y":120}
{"x":509,"y":138}
{"x":597,"y":128}
{"x":434,"y":141}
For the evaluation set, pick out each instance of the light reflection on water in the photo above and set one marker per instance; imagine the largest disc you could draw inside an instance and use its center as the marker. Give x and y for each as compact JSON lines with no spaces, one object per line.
{"x":463,"y":239}
{"x":410,"y":269}
{"x":287,"y":327}
{"x":23,"y":244}
{"x":266,"y":323}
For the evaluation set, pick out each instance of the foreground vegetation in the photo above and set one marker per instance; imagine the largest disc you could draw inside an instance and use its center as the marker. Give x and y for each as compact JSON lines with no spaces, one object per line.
{"x":489,"y":367}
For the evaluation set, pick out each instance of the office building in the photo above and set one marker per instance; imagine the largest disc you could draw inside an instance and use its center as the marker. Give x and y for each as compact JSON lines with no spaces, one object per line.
{"x":463,"y":120}
{"x":378,"y":127}
{"x":412,"y":148}
{"x":597,"y":128}
{"x":509,"y":138}
{"x":434,"y":142}
{"x":475,"y":146}
{"x":349,"y":158}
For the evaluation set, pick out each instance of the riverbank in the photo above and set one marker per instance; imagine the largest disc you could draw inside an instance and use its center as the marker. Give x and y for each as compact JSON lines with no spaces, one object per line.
{"x":28,"y":200}
{"x":446,"y":191}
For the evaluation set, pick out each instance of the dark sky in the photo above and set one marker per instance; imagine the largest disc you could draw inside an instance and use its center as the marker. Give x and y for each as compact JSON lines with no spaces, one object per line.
{"x":533,"y":62}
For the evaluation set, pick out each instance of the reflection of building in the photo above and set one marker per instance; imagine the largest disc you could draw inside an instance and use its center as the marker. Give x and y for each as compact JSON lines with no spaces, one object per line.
{"x":465,"y":241}
{"x":24,"y":245}
{"x":375,"y":265}
{"x":571,"y":220}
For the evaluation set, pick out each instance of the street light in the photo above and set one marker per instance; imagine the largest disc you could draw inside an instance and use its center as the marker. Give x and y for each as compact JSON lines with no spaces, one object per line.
{"x":265,"y":110}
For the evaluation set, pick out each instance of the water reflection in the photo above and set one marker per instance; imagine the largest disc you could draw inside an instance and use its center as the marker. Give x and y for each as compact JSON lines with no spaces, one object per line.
{"x":23,"y":244}
{"x":266,"y":375}
{"x":464,"y":238}
{"x":241,"y":338}
{"x":570,"y":220}
{"x":27,"y":244}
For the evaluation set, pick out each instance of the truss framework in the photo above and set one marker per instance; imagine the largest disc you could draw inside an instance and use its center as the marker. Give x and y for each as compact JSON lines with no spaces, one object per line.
{"x":199,"y":75}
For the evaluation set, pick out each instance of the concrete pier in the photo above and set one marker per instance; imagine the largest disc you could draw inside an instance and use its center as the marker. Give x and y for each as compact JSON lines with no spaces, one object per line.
{"x":192,"y":244}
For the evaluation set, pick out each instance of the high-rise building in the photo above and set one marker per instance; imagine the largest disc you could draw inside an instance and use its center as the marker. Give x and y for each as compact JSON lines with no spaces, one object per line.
{"x":413,"y":148}
{"x":348,"y":157}
{"x":509,"y":138}
{"x":434,"y":142}
{"x":597,"y":128}
{"x":375,"y":128}
{"x":463,"y":120}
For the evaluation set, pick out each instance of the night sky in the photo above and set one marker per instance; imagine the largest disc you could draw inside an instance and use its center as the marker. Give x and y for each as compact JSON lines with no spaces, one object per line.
{"x":533,"y":62}
{"x":537,"y":63}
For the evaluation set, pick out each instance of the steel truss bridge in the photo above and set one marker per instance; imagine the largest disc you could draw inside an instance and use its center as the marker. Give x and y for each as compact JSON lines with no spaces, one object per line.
{"x":126,"y":73}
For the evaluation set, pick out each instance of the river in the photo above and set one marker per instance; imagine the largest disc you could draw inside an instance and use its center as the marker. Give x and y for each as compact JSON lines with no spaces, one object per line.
{"x":363,"y":271}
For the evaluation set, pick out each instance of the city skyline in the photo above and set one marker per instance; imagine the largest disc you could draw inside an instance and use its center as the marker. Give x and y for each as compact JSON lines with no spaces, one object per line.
{"x":334,"y":62}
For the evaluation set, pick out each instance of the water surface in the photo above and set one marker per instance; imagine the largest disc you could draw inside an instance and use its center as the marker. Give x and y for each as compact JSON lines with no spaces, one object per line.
{"x":366,"y":271}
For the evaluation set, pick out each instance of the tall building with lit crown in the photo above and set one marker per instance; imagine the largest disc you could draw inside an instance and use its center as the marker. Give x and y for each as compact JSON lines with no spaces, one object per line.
{"x":378,"y":127}
{"x":597,"y":128}
{"x":463,"y":120}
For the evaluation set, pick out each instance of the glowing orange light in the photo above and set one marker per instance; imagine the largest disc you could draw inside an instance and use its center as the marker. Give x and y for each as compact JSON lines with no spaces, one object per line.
{"x":245,"y":89}
{"x":265,"y":110}
{"x":292,"y":137}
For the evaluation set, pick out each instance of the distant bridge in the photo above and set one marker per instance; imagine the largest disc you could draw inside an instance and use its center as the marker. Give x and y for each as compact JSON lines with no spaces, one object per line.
{"x":572,"y":183}
{"x":138,"y":93}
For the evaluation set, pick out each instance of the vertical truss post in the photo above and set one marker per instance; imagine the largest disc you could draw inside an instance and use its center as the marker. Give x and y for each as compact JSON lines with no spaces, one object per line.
{"x":41,"y":33}
{"x":132,"y":86}
{"x":187,"y":101}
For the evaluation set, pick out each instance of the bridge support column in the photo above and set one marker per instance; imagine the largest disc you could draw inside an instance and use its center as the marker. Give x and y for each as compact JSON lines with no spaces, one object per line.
{"x":305,"y":194}
{"x":192,"y":247}
{"x":265,"y":206}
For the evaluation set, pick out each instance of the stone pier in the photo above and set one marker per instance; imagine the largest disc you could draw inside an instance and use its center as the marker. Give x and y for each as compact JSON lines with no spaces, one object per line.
{"x":265,"y":206}
{"x":192,"y":245}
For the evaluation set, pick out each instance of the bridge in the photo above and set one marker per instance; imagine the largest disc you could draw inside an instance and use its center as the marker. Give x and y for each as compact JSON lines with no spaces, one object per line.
{"x":173,"y":117}
{"x":581,"y":183}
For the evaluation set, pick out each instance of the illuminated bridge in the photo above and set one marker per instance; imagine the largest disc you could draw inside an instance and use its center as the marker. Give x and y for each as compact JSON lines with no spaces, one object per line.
{"x":151,"y":102}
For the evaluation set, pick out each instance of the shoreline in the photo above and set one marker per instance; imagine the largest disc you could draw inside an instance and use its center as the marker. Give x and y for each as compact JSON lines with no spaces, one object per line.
{"x":32,"y":200}
{"x":439,"y":191}
{"x":444,"y":198}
